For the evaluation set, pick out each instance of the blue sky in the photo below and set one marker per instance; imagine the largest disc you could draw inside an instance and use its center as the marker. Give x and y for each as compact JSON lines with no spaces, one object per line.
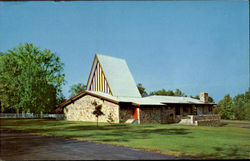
{"x":195,"y":46}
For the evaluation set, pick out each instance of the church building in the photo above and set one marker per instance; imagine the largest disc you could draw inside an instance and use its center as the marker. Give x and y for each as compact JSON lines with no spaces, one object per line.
{"x":112,"y":85}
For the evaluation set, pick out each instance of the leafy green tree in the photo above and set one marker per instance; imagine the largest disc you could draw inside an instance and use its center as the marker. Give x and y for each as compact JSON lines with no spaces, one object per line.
{"x":178,"y":92}
{"x":98,"y":111}
{"x":141,"y":89}
{"x":30,"y":79}
{"x":60,"y":99}
{"x":163,"y":92}
{"x":225,"y":107}
{"x":234,"y":108}
{"x":195,"y":97}
{"x":76,"y":88}
{"x":9,"y":70}
{"x":238,"y":106}
{"x":210,"y":99}
{"x":241,"y":106}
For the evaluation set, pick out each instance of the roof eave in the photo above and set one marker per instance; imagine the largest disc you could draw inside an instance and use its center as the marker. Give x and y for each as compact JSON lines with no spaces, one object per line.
{"x":82,"y":93}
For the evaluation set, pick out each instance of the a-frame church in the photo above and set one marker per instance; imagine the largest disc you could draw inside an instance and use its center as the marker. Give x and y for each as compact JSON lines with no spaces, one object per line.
{"x":111,"y":85}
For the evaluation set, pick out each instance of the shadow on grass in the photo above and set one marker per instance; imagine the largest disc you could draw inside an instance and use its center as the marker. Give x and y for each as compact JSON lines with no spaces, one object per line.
{"x":124,"y":133}
{"x":33,"y":122}
{"x":226,"y":153}
{"x":104,"y":133}
{"x":223,"y":124}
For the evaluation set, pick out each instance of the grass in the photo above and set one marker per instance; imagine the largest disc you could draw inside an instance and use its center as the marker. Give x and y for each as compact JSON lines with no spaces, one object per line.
{"x":230,"y":141}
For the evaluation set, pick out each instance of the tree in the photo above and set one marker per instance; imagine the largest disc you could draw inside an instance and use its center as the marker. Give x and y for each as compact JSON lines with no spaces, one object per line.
{"x":225,"y":107}
{"x":98,"y":111}
{"x":241,"y":106}
{"x":30,"y":79}
{"x":76,"y":88}
{"x":234,"y":108}
{"x":179,"y":93}
{"x":141,"y":89}
{"x":61,"y":98}
{"x":163,"y":92}
{"x":196,"y":97}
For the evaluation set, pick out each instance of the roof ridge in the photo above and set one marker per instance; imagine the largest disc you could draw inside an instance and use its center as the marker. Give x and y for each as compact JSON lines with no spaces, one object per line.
{"x":109,"y":56}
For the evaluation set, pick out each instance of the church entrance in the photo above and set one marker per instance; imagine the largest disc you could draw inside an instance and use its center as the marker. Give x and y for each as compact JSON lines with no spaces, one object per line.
{"x":135,"y":116}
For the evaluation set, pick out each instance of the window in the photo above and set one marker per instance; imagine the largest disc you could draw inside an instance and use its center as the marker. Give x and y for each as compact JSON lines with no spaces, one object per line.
{"x":177,"y":110}
{"x":210,"y":109}
{"x":185,"y":109}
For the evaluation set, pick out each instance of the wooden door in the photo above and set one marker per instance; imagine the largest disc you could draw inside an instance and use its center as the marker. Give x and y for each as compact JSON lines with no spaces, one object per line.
{"x":135,"y":116}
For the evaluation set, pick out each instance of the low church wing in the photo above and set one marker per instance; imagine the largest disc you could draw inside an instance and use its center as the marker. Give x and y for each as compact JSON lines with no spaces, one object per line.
{"x":97,"y":80}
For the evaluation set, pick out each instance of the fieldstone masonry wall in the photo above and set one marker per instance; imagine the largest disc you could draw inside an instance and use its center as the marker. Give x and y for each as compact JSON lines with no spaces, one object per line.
{"x":126,"y":113}
{"x":156,"y":115}
{"x":81,"y":110}
{"x":150,"y":115}
{"x":206,"y":120}
{"x":201,"y":120}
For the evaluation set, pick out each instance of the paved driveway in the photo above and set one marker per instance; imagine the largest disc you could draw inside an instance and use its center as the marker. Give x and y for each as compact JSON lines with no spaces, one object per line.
{"x":24,"y":146}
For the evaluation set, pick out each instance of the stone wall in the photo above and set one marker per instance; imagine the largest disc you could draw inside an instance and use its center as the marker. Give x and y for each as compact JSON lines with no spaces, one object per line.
{"x":126,"y":113}
{"x":205,"y":117}
{"x":81,"y":110}
{"x":206,"y":120}
{"x":167,"y":115}
{"x":185,"y":120}
{"x":156,"y":115}
{"x":201,"y":120}
{"x":208,"y":123}
{"x":151,"y":115}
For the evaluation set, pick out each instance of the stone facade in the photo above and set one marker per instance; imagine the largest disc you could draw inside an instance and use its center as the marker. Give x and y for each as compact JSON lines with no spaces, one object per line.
{"x":126,"y":112}
{"x":201,"y":120}
{"x":156,"y":115}
{"x":208,"y":123}
{"x":206,"y":120}
{"x":81,"y":110}
{"x":150,"y":115}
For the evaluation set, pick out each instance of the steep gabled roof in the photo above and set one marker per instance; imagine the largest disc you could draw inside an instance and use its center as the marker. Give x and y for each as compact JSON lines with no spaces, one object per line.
{"x":117,"y":75}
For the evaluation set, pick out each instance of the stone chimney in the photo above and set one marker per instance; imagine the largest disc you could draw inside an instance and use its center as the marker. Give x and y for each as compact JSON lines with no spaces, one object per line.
{"x":204,"y":97}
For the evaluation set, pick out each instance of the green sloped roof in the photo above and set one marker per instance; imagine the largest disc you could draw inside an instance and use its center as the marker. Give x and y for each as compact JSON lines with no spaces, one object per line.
{"x":119,"y":77}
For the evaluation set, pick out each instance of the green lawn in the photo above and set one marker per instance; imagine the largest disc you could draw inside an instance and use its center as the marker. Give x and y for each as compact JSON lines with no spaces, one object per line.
{"x":230,"y":141}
